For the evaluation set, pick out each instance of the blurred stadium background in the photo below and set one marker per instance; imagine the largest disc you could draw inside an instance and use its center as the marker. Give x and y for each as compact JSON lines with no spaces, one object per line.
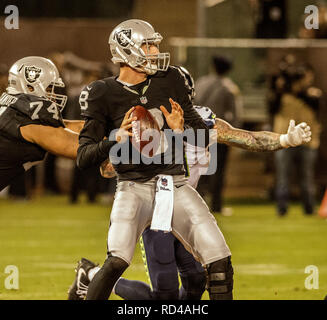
{"x":45,"y":227}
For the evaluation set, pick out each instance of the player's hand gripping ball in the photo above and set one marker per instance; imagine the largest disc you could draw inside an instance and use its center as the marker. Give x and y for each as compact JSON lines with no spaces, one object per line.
{"x":145,"y":130}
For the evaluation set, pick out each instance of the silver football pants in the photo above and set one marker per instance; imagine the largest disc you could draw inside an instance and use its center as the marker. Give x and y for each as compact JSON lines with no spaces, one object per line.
{"x":192,"y":222}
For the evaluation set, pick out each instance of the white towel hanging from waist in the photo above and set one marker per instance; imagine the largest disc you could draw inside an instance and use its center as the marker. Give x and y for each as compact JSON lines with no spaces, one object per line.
{"x":164,"y":204}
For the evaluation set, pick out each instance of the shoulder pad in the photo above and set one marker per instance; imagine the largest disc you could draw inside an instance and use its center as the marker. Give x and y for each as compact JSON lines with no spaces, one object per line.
{"x":96,"y":89}
{"x":40,"y":110}
{"x":32,"y":98}
{"x":90,"y":100}
{"x":180,"y":77}
{"x":23,"y":103}
{"x":174,"y":71}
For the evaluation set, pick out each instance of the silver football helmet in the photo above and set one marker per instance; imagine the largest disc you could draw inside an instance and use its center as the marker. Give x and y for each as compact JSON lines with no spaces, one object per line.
{"x":126,"y":42}
{"x":37,"y":76}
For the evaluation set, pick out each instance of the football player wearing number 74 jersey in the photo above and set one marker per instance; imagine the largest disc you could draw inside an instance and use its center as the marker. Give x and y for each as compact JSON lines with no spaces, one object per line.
{"x":30,"y":118}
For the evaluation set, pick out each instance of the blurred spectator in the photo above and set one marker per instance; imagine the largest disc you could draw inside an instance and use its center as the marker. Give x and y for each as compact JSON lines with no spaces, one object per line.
{"x":299,"y":100}
{"x":217,"y":92}
{"x":277,"y":82}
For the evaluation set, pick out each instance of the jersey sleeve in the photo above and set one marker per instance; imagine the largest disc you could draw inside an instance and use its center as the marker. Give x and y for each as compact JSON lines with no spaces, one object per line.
{"x":91,"y":101}
{"x":93,"y":148}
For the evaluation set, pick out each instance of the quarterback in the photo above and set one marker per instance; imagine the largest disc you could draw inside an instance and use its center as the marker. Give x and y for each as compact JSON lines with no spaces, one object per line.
{"x":30,"y":118}
{"x":146,"y":79}
{"x":162,"y":253}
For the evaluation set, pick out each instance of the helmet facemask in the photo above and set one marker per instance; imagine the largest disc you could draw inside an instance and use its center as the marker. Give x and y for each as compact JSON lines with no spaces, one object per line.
{"x":59,"y":99}
{"x":151,"y":63}
{"x":50,"y":92}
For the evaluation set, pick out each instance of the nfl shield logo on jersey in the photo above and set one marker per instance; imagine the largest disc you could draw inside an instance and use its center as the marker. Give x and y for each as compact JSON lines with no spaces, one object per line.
{"x":164,"y":182}
{"x":32,"y":74}
{"x":144,"y":100}
{"x":123,"y":37}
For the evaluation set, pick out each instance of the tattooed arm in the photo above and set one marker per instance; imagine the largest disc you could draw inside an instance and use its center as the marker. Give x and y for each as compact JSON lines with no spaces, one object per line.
{"x":249,"y":140}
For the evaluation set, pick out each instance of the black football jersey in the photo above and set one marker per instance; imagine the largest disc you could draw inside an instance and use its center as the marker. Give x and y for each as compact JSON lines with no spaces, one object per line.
{"x":17,"y":154}
{"x":104,"y":104}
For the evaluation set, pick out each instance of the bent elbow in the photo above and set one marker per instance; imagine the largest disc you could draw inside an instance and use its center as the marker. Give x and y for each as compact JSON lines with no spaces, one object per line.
{"x":80,"y":159}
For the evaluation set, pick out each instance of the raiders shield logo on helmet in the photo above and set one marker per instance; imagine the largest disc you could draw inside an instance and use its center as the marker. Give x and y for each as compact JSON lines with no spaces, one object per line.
{"x":32,"y":73}
{"x":123,"y":36}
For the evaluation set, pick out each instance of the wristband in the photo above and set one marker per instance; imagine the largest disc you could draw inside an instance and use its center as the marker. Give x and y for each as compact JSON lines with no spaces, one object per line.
{"x":283,"y":139}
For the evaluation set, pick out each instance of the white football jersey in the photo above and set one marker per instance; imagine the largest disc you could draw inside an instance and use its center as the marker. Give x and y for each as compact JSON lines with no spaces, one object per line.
{"x":198,"y":158}
{"x":197,"y":161}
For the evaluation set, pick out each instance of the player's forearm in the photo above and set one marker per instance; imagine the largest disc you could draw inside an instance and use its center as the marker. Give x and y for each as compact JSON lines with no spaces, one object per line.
{"x":92,"y":154}
{"x":74,"y":125}
{"x":93,"y":150}
{"x":65,"y":144}
{"x":258,"y":141}
{"x":59,"y":141}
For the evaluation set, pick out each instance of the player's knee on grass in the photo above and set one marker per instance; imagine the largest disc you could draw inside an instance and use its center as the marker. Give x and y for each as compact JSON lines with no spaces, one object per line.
{"x":193,"y":286}
{"x":220,"y":279}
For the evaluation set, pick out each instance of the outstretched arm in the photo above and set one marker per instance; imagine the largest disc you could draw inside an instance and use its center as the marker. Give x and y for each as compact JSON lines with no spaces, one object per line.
{"x":59,"y":141}
{"x":261,"y":141}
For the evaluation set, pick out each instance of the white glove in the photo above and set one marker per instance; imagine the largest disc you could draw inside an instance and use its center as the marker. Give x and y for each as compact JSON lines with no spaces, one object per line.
{"x":296,"y":135}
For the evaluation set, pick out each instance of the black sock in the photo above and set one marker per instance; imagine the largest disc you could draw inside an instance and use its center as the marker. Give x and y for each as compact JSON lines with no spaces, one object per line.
{"x":101,"y":286}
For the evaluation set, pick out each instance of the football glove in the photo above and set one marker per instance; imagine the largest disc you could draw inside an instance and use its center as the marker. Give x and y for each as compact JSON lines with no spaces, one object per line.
{"x":296,"y":135}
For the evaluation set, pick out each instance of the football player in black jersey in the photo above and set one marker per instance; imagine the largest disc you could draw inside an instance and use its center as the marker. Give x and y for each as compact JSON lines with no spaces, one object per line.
{"x":30,"y":118}
{"x":146,"y":79}
{"x":162,"y":253}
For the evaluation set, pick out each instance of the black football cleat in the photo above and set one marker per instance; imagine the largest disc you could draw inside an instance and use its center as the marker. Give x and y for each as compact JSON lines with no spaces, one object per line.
{"x":78,"y":289}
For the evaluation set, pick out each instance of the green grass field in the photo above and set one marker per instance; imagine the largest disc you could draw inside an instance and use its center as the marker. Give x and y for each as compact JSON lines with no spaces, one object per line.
{"x":45,"y":239}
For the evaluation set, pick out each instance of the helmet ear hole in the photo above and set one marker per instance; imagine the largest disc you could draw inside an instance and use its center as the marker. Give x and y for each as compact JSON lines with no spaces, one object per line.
{"x":30,"y":88}
{"x":127,"y":51}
